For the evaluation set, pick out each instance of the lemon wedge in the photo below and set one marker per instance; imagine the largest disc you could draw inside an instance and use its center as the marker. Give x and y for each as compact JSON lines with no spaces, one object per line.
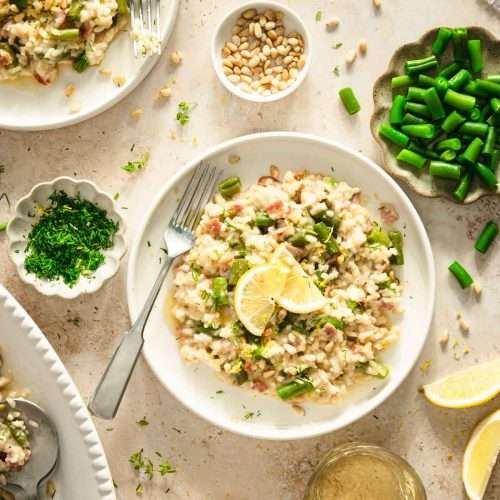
{"x":256,"y":293}
{"x":480,"y":456}
{"x":300,"y":294}
{"x":466,"y":388}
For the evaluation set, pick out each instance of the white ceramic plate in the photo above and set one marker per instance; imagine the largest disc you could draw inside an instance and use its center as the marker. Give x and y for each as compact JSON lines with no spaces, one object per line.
{"x":31,"y":106}
{"x":196,"y":385}
{"x":82,"y":472}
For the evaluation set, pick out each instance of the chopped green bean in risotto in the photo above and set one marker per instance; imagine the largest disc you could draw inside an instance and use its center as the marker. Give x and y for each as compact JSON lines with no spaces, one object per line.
{"x":343,"y":251}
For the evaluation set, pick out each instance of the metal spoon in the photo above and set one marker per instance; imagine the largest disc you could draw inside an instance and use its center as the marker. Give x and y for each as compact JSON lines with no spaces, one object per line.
{"x":44,"y":447}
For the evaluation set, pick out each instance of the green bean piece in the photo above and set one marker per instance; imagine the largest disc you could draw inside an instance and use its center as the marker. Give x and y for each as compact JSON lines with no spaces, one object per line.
{"x":462,"y":102}
{"x":450,"y":70}
{"x":397,"y":243}
{"x":434,"y":104}
{"x":489,"y":87}
{"x":485,"y":239}
{"x":418,"y":109}
{"x":493,"y":78}
{"x":332,"y":247}
{"x":378,"y":237}
{"x":441,"y":85}
{"x":329,"y":320}
{"x":475,"y":55}
{"x":474,"y":129}
{"x":427,"y":153}
{"x":459,"y":37}
{"x":448,"y":155}
{"x":416,"y":66}
{"x":20,"y":4}
{"x":297,"y":387}
{"x":229,"y":187}
{"x":486,"y":175}
{"x":459,"y":80}
{"x":445,"y":170}
{"x":422,"y":131}
{"x":494,"y":119}
{"x":473,"y":150}
{"x":475,"y":114}
{"x":238,"y":268}
{"x":472,"y":89}
{"x":219,"y":292}
{"x":122,"y":6}
{"x":426,"y":80}
{"x":409,"y":119}
{"x":485,"y":112}
{"x":326,"y":216}
{"x":453,"y":143}
{"x":491,"y":140}
{"x":443,"y":36}
{"x":298,"y":239}
{"x":81,"y":63}
{"x":452,"y":122}
{"x":412,"y":158}
{"x":262,"y":219}
{"x":75,"y":9}
{"x":463,"y":277}
{"x":349,"y":100}
{"x":463,"y":187}
{"x":415,"y":94}
{"x":494,"y":160}
{"x":64,"y":35}
{"x":323,"y":232}
{"x":397,"y":110}
{"x":400,"y":81}
{"x":393,"y":135}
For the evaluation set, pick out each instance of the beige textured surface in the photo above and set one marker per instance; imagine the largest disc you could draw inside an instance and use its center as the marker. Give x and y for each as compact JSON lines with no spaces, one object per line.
{"x":212,"y":464}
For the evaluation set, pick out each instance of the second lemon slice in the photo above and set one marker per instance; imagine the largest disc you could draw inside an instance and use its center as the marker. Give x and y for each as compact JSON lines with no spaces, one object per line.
{"x":256,"y":294}
{"x":300,"y":294}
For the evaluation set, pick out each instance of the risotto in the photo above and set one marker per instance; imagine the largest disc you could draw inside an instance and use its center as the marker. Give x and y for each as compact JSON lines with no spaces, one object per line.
{"x":341,"y":249}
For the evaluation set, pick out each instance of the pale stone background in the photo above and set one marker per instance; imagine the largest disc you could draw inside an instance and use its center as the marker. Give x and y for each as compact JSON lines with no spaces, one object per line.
{"x":213,"y":464}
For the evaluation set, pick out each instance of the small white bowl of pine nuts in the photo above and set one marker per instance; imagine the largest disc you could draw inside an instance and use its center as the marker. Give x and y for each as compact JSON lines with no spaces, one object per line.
{"x":261,"y":51}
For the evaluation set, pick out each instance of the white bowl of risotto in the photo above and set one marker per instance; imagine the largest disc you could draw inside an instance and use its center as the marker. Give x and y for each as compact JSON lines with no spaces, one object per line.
{"x":313,"y":367}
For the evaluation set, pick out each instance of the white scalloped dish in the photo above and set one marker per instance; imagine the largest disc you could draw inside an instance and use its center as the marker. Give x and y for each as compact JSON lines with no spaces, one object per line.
{"x":26,"y":213}
{"x":82,"y":472}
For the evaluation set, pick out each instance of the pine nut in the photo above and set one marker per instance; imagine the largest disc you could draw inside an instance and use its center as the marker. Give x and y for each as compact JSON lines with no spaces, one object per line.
{"x":234,"y":78}
{"x":350,"y":57}
{"x":253,"y":62}
{"x":257,"y":30}
{"x":166,"y":92}
{"x":248,"y":14}
{"x":231,"y":46}
{"x":227,"y":71}
{"x":272,"y":34}
{"x":236,"y":40}
{"x":293,"y":41}
{"x":243,"y":46}
{"x":332,"y":23}
{"x":262,"y":20}
{"x":285,"y":75}
{"x":176,"y":57}
{"x":246,"y":79}
{"x":301,"y":63}
{"x":270,"y":25}
{"x":363,"y":46}
{"x":245,"y":70}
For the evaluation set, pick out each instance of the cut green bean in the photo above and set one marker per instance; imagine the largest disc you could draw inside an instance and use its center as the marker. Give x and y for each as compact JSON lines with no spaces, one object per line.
{"x":378,"y":237}
{"x":64,"y":35}
{"x":397,"y":243}
{"x":474,"y":129}
{"x":472,"y":89}
{"x":298,"y":239}
{"x":473,"y":150}
{"x":491,"y":140}
{"x":426,"y":80}
{"x":485,"y":112}
{"x":422,"y":131}
{"x":459,"y":80}
{"x":452,"y":122}
{"x":409,"y":119}
{"x":412,"y":158}
{"x":75,"y":9}
{"x":450,"y":70}
{"x":81,"y":63}
{"x":485,"y":239}
{"x":229,"y":187}
{"x":398,"y":82}
{"x":462,"y":276}
{"x":329,"y":320}
{"x":460,"y":101}
{"x":427,"y":153}
{"x":459,"y":37}
{"x":448,"y":155}
{"x":494,"y":160}
{"x":475,"y":55}
{"x":445,"y":170}
{"x":441,"y":85}
{"x":443,"y":36}
{"x":463,"y":187}
{"x":415,"y":94}
{"x":238,"y":268}
{"x":397,"y":110}
{"x":349,"y":100}
{"x":393,"y":135}
{"x":262,"y":219}
{"x":219,"y":291}
{"x":323,"y":232}
{"x":416,"y":66}
{"x":295,"y":388}
{"x":493,"y":78}
{"x":418,"y":109}
{"x":489,"y":87}
{"x":434,"y":104}
{"x":475,"y":114}
{"x":453,"y":143}
{"x":486,"y":175}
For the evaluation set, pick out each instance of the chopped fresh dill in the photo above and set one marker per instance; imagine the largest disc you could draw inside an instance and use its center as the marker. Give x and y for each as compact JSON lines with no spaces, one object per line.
{"x":318,"y":16}
{"x":338,"y":45}
{"x":336,"y":70}
{"x":183,"y":113}
{"x":142,"y":422}
{"x":134,"y":166}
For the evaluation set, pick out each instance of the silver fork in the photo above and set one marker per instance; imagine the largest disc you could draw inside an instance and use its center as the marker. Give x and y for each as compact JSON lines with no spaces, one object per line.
{"x":179,"y":238}
{"x":145,"y":16}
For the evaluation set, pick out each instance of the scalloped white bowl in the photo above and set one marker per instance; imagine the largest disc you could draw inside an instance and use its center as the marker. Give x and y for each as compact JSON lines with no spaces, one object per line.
{"x":20,"y":226}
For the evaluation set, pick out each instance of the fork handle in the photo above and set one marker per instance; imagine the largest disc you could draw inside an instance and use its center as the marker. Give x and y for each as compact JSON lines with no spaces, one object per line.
{"x":111,"y":388}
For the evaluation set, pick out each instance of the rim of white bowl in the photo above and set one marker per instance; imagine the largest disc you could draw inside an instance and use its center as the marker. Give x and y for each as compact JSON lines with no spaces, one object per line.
{"x":327,"y":426}
{"x":254,"y":96}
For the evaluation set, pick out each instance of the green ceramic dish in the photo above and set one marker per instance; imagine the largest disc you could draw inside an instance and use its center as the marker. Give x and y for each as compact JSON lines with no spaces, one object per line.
{"x":423,"y":183}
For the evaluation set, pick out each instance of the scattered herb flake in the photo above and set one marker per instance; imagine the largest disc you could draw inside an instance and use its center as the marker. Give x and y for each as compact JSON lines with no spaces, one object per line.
{"x":3,"y":226}
{"x":139,"y":490}
{"x":338,"y":45}
{"x":318,"y":16}
{"x":220,"y":391}
{"x":142,"y":422}
{"x":336,"y":70}
{"x":166,"y":468}
{"x":137,"y":460}
{"x":134,"y":166}
{"x":116,"y":196}
{"x":148,"y":243}
{"x":75,"y":321}
{"x":248,"y":415}
{"x":183,"y":113}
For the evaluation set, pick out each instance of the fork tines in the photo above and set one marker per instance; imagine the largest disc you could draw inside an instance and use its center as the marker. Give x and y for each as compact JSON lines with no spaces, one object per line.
{"x":145,"y":15}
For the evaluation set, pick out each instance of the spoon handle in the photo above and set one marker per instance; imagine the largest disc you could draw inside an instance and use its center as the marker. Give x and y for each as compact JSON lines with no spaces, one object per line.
{"x":109,"y":393}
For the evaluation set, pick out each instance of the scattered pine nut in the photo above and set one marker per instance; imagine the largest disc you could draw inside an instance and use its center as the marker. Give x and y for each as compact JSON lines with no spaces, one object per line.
{"x":332,"y":23}
{"x":350,"y":57}
{"x":136,"y":113}
{"x":165,"y":92}
{"x":119,"y":80}
{"x":377,"y":4}
{"x":464,"y":326}
{"x":105,"y":72}
{"x":69,"y":90}
{"x":363,"y":46}
{"x":476,"y":287}
{"x":444,"y":338}
{"x":176,"y":57}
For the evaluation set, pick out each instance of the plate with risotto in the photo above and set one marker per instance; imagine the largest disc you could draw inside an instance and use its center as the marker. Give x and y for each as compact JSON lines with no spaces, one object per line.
{"x":30,"y":368}
{"x":306,"y":298}
{"x":63,"y":61}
